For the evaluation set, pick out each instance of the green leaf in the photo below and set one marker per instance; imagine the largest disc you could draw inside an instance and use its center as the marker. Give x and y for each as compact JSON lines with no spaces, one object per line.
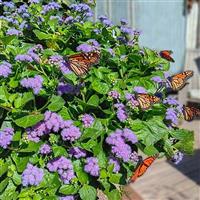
{"x":88,"y":192}
{"x":114,"y":195}
{"x":115,"y":178}
{"x":57,"y":102}
{"x":59,"y":151}
{"x":64,"y":113}
{"x":17,"y":136}
{"x":29,"y":120}
{"x":100,"y":87}
{"x":68,"y":189}
{"x":3,"y":167}
{"x":16,"y":178}
{"x":41,"y":35}
{"x":32,"y":147}
{"x":9,"y":192}
{"x":4,"y":95}
{"x":94,"y":100}
{"x":150,"y":150}
{"x":8,"y":39}
{"x":28,"y":96}
{"x":3,"y":184}
{"x":20,"y":162}
{"x":81,"y":174}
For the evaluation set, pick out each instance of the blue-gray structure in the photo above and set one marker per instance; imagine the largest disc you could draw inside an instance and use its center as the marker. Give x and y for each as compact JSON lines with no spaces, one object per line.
{"x":162,"y":22}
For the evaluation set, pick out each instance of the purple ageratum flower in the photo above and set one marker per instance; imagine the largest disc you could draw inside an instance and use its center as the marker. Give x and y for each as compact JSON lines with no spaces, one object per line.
{"x":116,"y":163}
{"x":129,"y":135}
{"x":32,"y":175}
{"x":177,"y":158}
{"x":86,"y":48}
{"x":97,"y":31}
{"x":93,"y":42}
{"x":68,"y":197}
{"x":61,"y":63}
{"x":24,"y":57}
{"x":114,"y":94}
{"x":45,"y":149}
{"x":171,"y":115}
{"x":71,"y":133}
{"x":92,"y":166}
{"x":166,"y":75}
{"x":82,"y":9}
{"x":9,"y":4}
{"x":6,"y":137}
{"x":87,"y":120}
{"x":33,"y":83}
{"x":115,"y":138}
{"x":77,"y":152}
{"x":34,"y":1}
{"x":134,"y":157}
{"x":112,"y":53}
{"x":126,"y":30}
{"x":104,"y":20}
{"x":131,"y":100}
{"x":122,"y":115}
{"x":139,"y":90}
{"x":137,"y":32}
{"x":157,"y":79}
{"x":64,"y":168}
{"x":171,"y":101}
{"x":124,"y":22}
{"x":13,"y":31}
{"x":50,"y":7}
{"x":67,"y":88}
{"x":5,"y":69}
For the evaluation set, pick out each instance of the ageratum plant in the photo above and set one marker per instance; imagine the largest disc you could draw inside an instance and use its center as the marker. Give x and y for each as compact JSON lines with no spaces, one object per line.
{"x":67,"y":137}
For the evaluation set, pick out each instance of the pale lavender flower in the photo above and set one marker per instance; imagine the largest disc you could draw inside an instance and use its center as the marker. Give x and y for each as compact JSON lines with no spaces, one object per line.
{"x":86,"y":48}
{"x":45,"y":149}
{"x":9,"y":4}
{"x":92,"y":166}
{"x":131,"y":100}
{"x":157,"y":79}
{"x":87,"y":120}
{"x":122,"y":115}
{"x":24,"y":57}
{"x":112,"y":53}
{"x":5,"y":69}
{"x":177,"y":158}
{"x":13,"y":31}
{"x":64,"y":168}
{"x":114,"y":94}
{"x":97,"y":31}
{"x":171,"y":115}
{"x":82,"y":9}
{"x":6,"y":137}
{"x":134,"y":157}
{"x":171,"y":101}
{"x":32,"y":175}
{"x":140,"y":90}
{"x":77,"y":152}
{"x":67,"y":88}
{"x":71,"y":133}
{"x":34,"y":83}
{"x":129,"y":135}
{"x":68,"y":197}
{"x":52,"y":6}
{"x":93,"y":42}
{"x":104,"y":20}
{"x":34,"y":1}
{"x":166,"y":74}
{"x":127,"y":30}
{"x":116,"y":163}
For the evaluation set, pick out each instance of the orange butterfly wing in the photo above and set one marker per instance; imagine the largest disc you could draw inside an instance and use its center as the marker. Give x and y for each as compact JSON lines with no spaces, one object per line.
{"x":146,"y":101}
{"x":142,"y":168}
{"x":190,"y":112}
{"x":166,"y":54}
{"x":80,"y":63}
{"x":178,"y":81}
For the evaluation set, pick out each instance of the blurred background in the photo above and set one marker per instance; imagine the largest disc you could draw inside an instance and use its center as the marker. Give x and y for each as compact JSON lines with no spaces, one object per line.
{"x":172,"y":25}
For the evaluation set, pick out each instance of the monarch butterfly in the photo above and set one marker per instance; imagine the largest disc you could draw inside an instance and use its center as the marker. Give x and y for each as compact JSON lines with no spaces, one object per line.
{"x":166,"y":54}
{"x":80,"y":63}
{"x":142,"y":168}
{"x":190,"y":112}
{"x":178,"y":81}
{"x":146,"y":101}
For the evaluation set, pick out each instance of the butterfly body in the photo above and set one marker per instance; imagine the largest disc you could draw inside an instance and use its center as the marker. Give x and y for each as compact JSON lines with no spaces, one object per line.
{"x":178,"y":81}
{"x":166,"y":54}
{"x":142,"y":168}
{"x":146,"y":101}
{"x":190,"y":113}
{"x":80,"y":63}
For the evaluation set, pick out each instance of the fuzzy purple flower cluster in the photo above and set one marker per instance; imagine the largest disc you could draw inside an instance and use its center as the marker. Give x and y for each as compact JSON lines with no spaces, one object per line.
{"x":52,"y":6}
{"x":87,"y":120}
{"x":139,"y":90}
{"x":90,"y":46}
{"x":5,"y":69}
{"x":121,"y":112}
{"x":132,"y":102}
{"x":67,"y":88}
{"x":34,"y":83}
{"x":118,"y":141}
{"x":61,"y":63}
{"x":64,"y":168}
{"x":54,"y":122}
{"x":77,"y":152}
{"x":13,"y":31}
{"x":104,"y":20}
{"x":177,"y":158}
{"x":45,"y":149}
{"x":114,"y":94}
{"x":32,"y":175}
{"x":82,"y":9}
{"x":116,"y":163}
{"x":6,"y":137}
{"x":92,"y":166}
{"x":68,"y":197}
